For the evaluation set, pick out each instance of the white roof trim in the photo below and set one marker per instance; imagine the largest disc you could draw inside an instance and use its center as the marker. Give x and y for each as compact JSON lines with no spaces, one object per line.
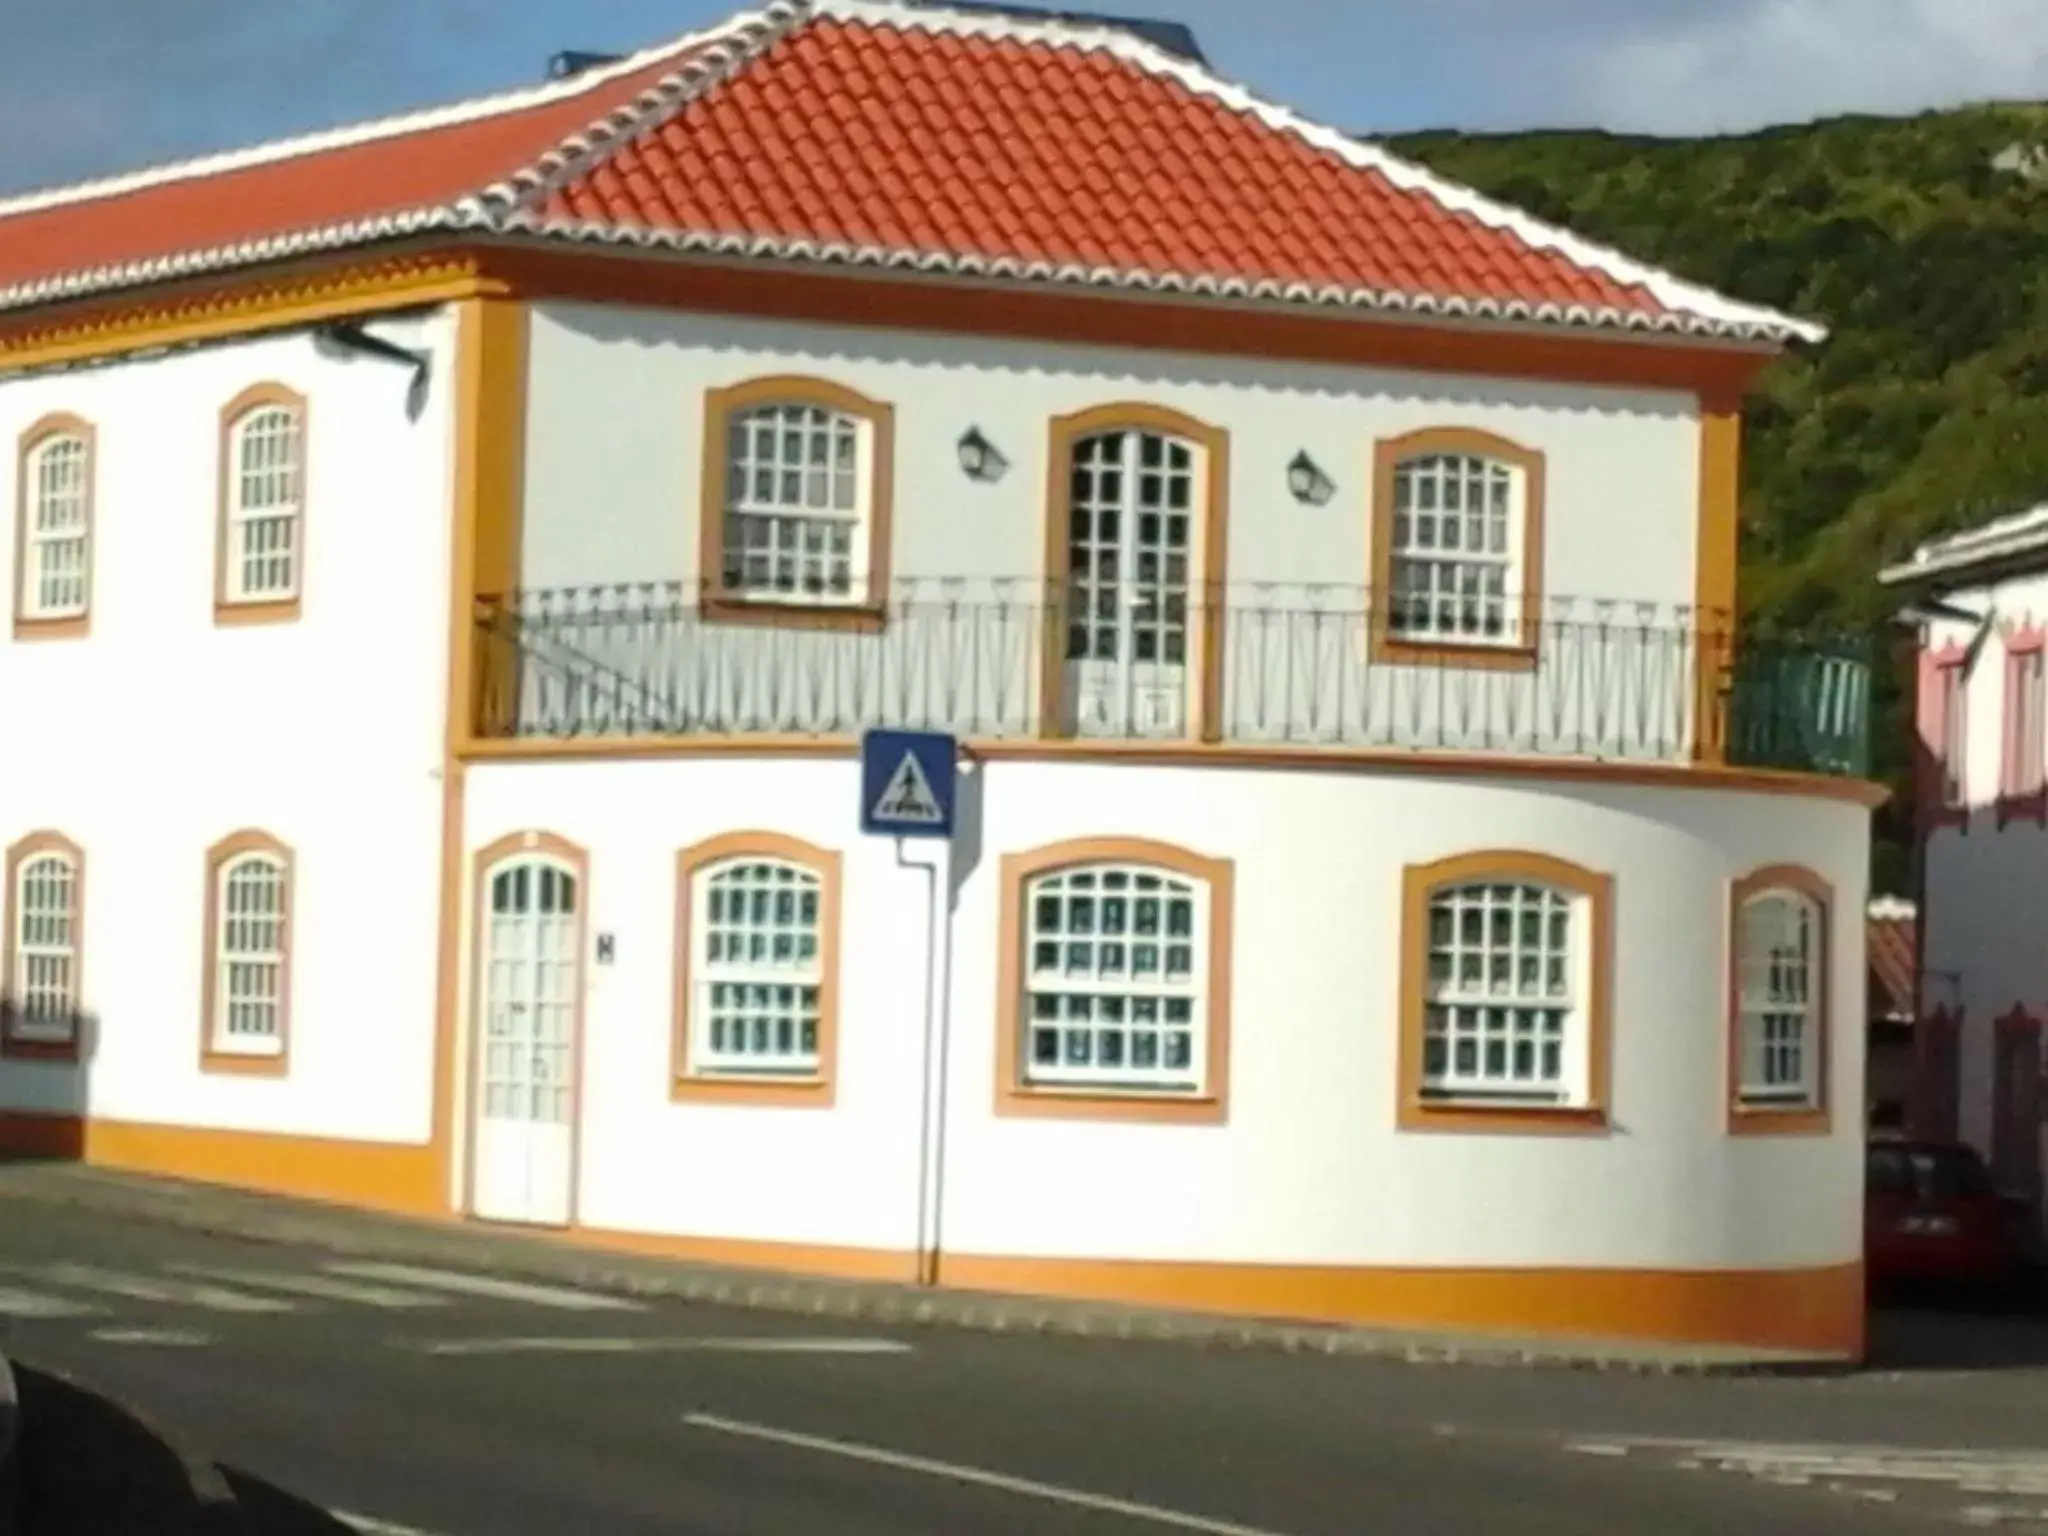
{"x":2018,"y":534}
{"x":445,"y":116}
{"x":507,"y":206}
{"x":1724,"y":313}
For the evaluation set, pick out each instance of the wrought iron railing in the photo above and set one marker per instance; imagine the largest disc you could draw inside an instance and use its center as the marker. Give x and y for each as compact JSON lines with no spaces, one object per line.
{"x":1301,"y":666}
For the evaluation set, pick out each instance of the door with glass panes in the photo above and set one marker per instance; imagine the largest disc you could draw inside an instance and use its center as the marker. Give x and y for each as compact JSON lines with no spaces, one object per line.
{"x":1133,"y":570}
{"x":525,"y":1102}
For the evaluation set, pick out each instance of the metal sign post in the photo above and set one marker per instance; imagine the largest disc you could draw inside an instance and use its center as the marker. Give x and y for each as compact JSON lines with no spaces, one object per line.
{"x":909,"y":791}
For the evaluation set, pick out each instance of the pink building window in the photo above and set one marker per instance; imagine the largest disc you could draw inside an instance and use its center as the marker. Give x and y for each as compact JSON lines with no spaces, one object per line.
{"x":2023,"y":766}
{"x":1944,"y":737}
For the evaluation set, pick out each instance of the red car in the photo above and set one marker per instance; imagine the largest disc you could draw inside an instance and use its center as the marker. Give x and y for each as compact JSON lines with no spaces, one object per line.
{"x":1931,"y":1212}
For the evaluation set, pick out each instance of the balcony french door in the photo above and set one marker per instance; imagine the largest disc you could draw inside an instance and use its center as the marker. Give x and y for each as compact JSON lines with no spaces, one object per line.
{"x":1133,"y":561}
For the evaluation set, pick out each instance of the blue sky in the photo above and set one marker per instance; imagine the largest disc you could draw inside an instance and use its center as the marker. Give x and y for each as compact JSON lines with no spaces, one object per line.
{"x":93,"y":86}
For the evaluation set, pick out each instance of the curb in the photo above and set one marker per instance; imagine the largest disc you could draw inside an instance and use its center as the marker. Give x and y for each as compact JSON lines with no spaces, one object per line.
{"x":222,"y":1212}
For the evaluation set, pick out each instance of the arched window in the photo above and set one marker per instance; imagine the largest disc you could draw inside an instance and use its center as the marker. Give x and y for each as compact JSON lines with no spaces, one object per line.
{"x":1779,"y":1003}
{"x":1504,"y":991}
{"x":249,"y":919}
{"x":54,"y":591}
{"x":39,"y":1000}
{"x":796,"y":511}
{"x":1116,"y":987}
{"x":263,"y":503}
{"x":1458,"y":542}
{"x":757,"y":990}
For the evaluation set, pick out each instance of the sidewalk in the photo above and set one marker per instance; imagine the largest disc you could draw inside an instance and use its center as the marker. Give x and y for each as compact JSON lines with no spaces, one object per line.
{"x":304,"y":1224}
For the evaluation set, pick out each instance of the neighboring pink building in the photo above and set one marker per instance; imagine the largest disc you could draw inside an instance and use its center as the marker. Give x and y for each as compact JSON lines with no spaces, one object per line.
{"x":1979,"y":601}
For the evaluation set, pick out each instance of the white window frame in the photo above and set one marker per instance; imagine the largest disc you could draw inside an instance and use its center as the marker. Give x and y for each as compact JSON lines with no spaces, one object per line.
{"x":1447,"y":1087}
{"x":22,"y":1025}
{"x":38,"y":541}
{"x":1404,"y":552}
{"x":747,"y":426}
{"x":1112,"y":984}
{"x":710,"y":1057}
{"x":222,"y":1040}
{"x":1757,"y":996}
{"x":242,"y":516}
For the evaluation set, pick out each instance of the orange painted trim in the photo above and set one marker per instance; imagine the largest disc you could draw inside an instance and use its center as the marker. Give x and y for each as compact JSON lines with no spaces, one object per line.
{"x":12,"y":1045}
{"x":55,"y":425}
{"x":376,"y":1176}
{"x":1017,"y":1099}
{"x":686,"y":1083}
{"x":212,"y":1058}
{"x":720,"y":405}
{"x":1815,"y":1119}
{"x":1820,"y":1310}
{"x":666,"y":281}
{"x":1207,"y":580}
{"x":1716,"y":562}
{"x":1947,"y":669}
{"x":210,"y":309}
{"x":1704,"y":778}
{"x":283,"y":610}
{"x":1414,"y":1111}
{"x":516,"y":848}
{"x":1389,"y":454}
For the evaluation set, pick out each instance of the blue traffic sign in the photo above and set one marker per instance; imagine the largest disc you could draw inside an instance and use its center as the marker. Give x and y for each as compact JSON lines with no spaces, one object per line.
{"x":907,"y":783}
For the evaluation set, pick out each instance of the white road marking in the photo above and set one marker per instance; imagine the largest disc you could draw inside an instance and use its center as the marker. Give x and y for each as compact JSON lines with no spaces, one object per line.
{"x":572,"y":1346}
{"x":174,"y":1338}
{"x":176,"y":1293}
{"x":15,"y":1303}
{"x":483,"y":1285}
{"x":2010,"y":1472}
{"x":370,"y":1525}
{"x":1050,"y":1493}
{"x":325,"y":1287}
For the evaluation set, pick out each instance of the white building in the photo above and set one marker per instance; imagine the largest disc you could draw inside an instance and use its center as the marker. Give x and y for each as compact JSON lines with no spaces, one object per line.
{"x":1980,"y":599}
{"x":457,"y":556}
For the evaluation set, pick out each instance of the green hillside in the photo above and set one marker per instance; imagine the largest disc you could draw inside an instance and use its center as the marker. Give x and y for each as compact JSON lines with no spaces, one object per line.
{"x":1927,"y":408}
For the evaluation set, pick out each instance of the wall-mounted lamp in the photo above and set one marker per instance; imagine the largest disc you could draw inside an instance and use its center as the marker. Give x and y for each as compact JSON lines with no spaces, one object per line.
{"x":1306,"y":479}
{"x":980,"y":459}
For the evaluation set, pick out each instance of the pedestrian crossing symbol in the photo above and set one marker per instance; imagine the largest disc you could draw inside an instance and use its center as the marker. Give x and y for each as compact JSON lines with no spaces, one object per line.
{"x":907,"y":783}
{"x":909,"y":796}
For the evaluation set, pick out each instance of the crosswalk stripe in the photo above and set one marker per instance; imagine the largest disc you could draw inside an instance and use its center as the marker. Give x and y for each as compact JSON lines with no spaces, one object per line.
{"x":324,"y":1287}
{"x":482,"y":1285}
{"x":213,"y":1298}
{"x":15,"y":1303}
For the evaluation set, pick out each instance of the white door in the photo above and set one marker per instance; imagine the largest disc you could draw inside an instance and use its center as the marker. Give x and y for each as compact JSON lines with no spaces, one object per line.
{"x":1132,"y":564}
{"x":526,"y":1090}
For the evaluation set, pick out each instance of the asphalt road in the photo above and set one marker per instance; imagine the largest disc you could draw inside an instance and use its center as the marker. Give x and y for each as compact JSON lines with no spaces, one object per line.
{"x":408,"y":1398}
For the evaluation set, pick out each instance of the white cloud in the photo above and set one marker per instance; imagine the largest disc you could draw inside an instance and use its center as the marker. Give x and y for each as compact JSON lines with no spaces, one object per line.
{"x":1742,"y":65}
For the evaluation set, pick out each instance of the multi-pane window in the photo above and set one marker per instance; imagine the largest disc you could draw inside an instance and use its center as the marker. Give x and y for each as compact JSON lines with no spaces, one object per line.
{"x":796,"y":504}
{"x":1778,"y":947}
{"x":1504,"y":1002}
{"x":757,"y":977}
{"x":251,"y":920}
{"x":42,"y":1004}
{"x":1456,"y":550}
{"x":1130,"y":533}
{"x":2026,"y":723}
{"x":265,"y":500}
{"x":1114,"y":966}
{"x":1953,"y":741}
{"x":57,"y":528}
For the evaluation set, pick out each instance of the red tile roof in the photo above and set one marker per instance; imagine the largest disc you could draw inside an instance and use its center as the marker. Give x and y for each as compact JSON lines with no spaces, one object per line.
{"x":1893,"y":989}
{"x":876,"y":134}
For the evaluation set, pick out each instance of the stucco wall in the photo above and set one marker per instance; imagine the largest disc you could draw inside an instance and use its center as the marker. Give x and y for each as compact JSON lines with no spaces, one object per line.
{"x":1309,"y":1167}
{"x":615,"y":417}
{"x":161,"y":732}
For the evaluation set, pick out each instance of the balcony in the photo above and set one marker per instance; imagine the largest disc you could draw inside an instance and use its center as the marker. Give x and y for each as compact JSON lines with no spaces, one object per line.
{"x":1257,"y":666}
